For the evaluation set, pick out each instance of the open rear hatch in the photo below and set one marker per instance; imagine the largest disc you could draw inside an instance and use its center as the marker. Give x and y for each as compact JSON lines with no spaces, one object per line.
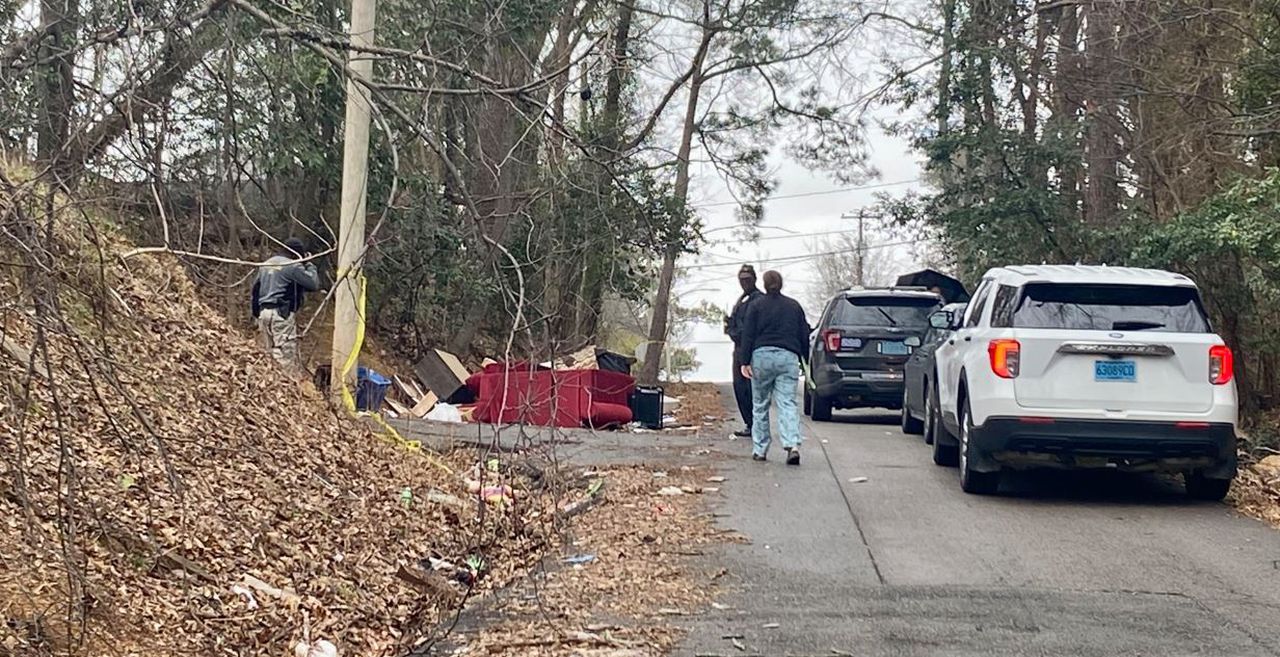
{"x":1113,"y":347}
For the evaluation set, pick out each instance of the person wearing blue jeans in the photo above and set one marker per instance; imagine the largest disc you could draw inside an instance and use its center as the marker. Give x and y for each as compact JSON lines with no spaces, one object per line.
{"x":775,"y":333}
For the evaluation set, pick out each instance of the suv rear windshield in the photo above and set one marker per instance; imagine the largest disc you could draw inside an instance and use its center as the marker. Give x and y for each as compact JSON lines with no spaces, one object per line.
{"x":1110,"y":308}
{"x":906,"y":312}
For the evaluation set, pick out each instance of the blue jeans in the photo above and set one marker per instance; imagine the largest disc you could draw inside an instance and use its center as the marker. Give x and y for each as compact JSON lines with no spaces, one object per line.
{"x":775,"y":376}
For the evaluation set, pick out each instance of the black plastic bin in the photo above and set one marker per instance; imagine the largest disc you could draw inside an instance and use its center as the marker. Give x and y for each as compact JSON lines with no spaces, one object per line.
{"x":646,"y":406}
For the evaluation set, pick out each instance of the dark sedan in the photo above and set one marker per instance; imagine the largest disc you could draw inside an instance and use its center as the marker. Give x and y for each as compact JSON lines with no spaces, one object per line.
{"x":920,"y":366}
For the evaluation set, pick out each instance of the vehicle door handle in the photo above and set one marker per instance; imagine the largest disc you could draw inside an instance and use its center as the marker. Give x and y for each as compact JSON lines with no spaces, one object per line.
{"x":968,"y":338}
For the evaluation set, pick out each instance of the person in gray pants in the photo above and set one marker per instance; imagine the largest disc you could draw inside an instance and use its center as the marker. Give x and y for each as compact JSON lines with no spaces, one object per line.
{"x":277,"y":296}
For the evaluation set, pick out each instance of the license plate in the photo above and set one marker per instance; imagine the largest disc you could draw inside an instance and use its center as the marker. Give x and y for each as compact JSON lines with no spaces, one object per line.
{"x":894,"y":349}
{"x":1115,"y":370}
{"x":850,"y":344}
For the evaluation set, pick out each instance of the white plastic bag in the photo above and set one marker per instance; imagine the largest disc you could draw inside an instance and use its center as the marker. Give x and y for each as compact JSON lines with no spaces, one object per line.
{"x":445,"y":413}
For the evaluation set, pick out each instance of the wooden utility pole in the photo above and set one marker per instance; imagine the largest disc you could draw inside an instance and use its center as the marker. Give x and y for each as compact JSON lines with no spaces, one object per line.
{"x":348,"y":299}
{"x":862,"y":251}
{"x":860,"y":275}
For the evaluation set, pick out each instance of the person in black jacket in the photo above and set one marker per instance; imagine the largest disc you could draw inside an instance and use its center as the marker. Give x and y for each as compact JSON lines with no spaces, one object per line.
{"x":276,"y":298}
{"x":775,"y":333}
{"x":733,"y":327}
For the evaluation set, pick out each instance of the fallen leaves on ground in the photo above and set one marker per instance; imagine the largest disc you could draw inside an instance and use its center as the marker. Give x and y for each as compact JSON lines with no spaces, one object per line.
{"x":1256,"y":490}
{"x":623,"y":602}
{"x":700,"y":403}
{"x":169,"y":491}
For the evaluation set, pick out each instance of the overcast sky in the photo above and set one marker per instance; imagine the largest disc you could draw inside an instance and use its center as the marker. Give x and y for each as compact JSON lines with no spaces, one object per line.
{"x":818,"y":212}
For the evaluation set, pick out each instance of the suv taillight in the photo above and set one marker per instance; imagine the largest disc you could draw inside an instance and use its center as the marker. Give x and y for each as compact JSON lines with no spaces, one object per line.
{"x":1005,"y":355}
{"x":831,"y":340}
{"x":1222,"y":365}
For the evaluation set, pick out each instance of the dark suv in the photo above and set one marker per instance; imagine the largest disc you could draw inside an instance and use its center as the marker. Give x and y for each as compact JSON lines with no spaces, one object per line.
{"x":861,"y":345}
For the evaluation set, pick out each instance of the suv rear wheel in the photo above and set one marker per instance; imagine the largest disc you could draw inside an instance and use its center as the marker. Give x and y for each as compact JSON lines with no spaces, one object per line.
{"x":977,"y":483}
{"x":910,"y":425}
{"x":821,"y":408}
{"x":943,"y":454}
{"x":1200,"y":487}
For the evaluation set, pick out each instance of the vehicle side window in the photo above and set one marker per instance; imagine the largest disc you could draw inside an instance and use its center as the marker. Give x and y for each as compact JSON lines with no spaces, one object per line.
{"x":825,"y":319}
{"x":978,"y":304}
{"x":1002,"y":308}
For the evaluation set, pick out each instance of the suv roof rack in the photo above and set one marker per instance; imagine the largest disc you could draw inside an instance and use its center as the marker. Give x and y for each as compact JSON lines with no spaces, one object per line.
{"x":888,"y":288}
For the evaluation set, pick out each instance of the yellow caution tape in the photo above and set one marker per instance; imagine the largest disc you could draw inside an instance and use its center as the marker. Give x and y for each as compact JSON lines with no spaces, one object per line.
{"x":389,"y":432}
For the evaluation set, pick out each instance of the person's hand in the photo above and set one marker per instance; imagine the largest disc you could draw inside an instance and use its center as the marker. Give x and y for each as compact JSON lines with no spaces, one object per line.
{"x":746,"y":371}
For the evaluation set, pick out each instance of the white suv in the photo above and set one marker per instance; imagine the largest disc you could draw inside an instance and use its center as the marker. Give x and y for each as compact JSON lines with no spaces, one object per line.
{"x":1083,"y":367}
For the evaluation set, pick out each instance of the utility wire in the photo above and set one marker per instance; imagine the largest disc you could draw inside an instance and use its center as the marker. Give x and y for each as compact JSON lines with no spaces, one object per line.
{"x":825,"y":192}
{"x":799,"y":258}
{"x":847,"y":231}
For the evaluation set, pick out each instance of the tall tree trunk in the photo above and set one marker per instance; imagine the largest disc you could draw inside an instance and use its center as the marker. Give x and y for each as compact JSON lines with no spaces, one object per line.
{"x":561,"y":55}
{"x":1101,"y":142}
{"x":1066,"y":108}
{"x":56,"y":96}
{"x":658,"y":324}
{"x":501,"y":156}
{"x":618,"y":70}
{"x":944,"y":72}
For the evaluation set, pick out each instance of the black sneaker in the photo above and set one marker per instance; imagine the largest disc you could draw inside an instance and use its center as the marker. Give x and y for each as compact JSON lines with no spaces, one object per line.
{"x":793,"y":456}
{"x":758,"y":457}
{"x":744,"y":432}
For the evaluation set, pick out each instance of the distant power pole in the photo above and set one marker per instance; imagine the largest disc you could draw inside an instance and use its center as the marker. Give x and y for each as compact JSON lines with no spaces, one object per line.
{"x":862,"y":251}
{"x":860,"y":275}
{"x":348,"y":309}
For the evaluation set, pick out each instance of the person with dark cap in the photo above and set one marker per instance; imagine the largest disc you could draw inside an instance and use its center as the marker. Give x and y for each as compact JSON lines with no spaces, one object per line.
{"x":775,"y":334}
{"x":277,"y":296}
{"x":733,"y":327}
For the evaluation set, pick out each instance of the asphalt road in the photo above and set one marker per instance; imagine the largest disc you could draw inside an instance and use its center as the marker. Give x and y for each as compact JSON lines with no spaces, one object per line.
{"x":907,"y":564}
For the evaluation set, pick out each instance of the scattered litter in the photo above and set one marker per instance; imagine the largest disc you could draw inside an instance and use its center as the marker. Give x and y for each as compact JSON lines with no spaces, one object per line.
{"x":719,"y":607}
{"x":320,"y":648}
{"x":671,"y":611}
{"x":841,"y":653}
{"x":738,"y":644}
{"x":716,"y":480}
{"x":825,"y":441}
{"x":728,"y":637}
{"x":670,"y":491}
{"x":659,"y":475}
{"x":710,"y":489}
{"x":579,"y":559}
{"x":241,"y":589}
{"x":406,"y":497}
{"x":689,"y":489}
{"x":496,"y":495}
{"x":859,"y":480}
{"x":445,"y":413}
{"x":270,"y":591}
{"x":771,"y":626}
{"x":441,"y":497}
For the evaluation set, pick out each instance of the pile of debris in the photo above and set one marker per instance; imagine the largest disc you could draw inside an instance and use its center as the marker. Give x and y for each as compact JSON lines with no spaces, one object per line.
{"x":591,"y":388}
{"x":168,"y":490}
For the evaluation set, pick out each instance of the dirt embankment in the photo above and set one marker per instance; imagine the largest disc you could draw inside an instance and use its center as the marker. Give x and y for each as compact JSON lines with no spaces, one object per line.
{"x":165,"y":490}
